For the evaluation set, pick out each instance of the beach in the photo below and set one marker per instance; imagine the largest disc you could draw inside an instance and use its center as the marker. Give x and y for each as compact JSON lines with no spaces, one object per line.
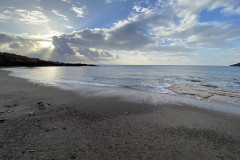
{"x":45,"y":122}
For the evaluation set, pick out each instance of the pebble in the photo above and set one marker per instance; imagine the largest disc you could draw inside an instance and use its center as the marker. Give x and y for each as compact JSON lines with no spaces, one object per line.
{"x":73,"y":156}
{"x":31,"y":113}
{"x":2,"y":120}
{"x":40,"y":105}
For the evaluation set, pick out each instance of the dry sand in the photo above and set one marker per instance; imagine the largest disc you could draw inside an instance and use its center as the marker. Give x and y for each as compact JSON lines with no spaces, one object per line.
{"x":68,"y":126}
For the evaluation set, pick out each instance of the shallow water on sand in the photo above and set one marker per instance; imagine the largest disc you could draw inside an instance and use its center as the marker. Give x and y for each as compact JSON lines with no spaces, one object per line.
{"x":207,"y":83}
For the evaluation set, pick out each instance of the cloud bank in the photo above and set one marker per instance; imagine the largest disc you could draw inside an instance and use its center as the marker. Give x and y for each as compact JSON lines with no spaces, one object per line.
{"x":166,"y":28}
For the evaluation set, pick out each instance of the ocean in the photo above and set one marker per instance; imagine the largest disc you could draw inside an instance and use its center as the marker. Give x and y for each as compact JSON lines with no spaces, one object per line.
{"x":206,"y":83}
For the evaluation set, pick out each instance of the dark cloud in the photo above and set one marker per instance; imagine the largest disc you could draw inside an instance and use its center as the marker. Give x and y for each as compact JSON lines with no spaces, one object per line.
{"x":4,"y":38}
{"x":14,"y":45}
{"x":61,"y":46}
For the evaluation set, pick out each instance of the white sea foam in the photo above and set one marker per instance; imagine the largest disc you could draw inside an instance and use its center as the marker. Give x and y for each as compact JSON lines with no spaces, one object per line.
{"x":84,"y":83}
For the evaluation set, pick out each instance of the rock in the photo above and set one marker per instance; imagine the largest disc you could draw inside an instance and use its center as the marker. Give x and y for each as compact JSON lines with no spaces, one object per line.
{"x":2,"y":120}
{"x":32,"y":150}
{"x":73,"y":156}
{"x":40,"y":105}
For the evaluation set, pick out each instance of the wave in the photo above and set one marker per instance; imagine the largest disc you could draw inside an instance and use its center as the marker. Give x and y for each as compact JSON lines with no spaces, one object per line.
{"x":84,"y":83}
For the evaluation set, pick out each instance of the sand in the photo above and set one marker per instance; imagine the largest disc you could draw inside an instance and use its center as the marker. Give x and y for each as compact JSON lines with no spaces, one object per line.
{"x":38,"y":122}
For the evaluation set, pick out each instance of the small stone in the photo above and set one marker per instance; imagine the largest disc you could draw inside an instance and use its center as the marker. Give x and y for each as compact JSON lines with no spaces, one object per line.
{"x":73,"y":156}
{"x":31,"y":113}
{"x":2,"y":120}
{"x":32,"y":150}
{"x":1,"y":145}
{"x":40,"y":105}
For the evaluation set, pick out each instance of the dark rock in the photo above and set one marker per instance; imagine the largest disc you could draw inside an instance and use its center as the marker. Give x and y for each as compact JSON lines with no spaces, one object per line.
{"x":2,"y":120}
{"x":238,"y":64}
{"x":73,"y":156}
{"x":40,"y":105}
{"x":208,"y":85}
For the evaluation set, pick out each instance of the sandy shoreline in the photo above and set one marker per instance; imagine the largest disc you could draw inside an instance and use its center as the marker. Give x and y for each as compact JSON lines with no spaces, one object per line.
{"x":75,"y":127}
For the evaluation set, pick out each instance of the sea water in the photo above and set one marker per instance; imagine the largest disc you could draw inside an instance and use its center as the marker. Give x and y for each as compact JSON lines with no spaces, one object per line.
{"x":208,"y":83}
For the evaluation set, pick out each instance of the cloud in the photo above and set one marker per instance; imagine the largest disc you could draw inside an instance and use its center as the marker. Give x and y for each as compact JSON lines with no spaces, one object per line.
{"x":4,"y":18}
{"x":15,"y":45}
{"x":231,"y":9}
{"x":69,"y":27}
{"x":60,"y":15}
{"x":24,"y":16}
{"x":110,"y":1}
{"x":149,"y":30}
{"x":66,"y":1}
{"x":80,"y":11}
{"x":19,"y":45}
{"x":4,"y":38}
{"x":166,"y":28}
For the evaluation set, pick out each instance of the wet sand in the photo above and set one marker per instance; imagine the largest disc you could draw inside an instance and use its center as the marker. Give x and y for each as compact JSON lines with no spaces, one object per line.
{"x":38,"y":122}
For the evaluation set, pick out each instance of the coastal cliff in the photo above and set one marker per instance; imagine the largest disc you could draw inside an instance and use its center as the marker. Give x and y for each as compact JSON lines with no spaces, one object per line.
{"x":8,"y":60}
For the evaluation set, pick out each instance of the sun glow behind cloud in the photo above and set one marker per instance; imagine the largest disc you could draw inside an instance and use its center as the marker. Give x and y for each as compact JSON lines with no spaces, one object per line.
{"x":47,"y":44}
{"x":123,"y":32}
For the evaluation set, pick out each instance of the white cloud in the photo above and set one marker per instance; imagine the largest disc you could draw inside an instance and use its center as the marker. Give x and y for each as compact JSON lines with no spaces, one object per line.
{"x":231,"y":9}
{"x":60,"y":15}
{"x":80,"y":11}
{"x":66,"y":1}
{"x":169,"y":28}
{"x":69,"y":27}
{"x":108,"y":1}
{"x":24,"y":16}
{"x":147,"y":30}
{"x":4,"y":18}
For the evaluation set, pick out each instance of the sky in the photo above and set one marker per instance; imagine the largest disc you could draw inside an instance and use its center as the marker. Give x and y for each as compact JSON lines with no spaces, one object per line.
{"x":123,"y":32}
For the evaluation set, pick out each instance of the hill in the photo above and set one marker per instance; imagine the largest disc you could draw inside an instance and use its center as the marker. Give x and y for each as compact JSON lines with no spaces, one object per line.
{"x":8,"y":60}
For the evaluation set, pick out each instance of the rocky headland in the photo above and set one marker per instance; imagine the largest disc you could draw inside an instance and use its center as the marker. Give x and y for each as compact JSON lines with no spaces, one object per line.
{"x":9,"y":60}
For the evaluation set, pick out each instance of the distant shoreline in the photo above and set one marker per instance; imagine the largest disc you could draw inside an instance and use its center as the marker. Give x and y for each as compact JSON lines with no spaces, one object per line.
{"x":13,"y":60}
